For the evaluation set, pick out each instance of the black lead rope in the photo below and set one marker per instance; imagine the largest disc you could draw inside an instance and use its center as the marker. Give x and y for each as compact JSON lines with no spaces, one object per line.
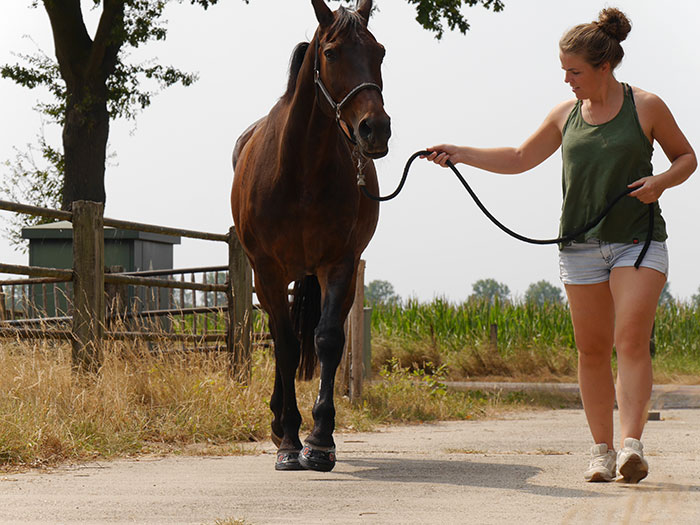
{"x":565,"y":239}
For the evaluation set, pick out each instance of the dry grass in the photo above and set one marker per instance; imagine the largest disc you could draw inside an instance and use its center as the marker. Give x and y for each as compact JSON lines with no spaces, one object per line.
{"x":482,"y":361}
{"x":144,"y":401}
{"x":140,"y":402}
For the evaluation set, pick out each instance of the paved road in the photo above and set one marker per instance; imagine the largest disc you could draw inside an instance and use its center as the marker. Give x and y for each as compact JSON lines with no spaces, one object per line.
{"x":523,"y":468}
{"x":662,"y":396}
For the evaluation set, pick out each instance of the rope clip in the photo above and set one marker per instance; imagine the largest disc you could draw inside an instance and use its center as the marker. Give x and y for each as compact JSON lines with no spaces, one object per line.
{"x":361,"y":162}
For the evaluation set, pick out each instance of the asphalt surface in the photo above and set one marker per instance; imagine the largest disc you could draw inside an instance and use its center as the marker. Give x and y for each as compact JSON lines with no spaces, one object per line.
{"x":525,"y":467}
{"x":662,"y":396}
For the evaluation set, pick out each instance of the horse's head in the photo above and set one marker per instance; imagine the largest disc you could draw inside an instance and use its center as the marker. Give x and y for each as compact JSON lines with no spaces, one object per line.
{"x":348,"y":63}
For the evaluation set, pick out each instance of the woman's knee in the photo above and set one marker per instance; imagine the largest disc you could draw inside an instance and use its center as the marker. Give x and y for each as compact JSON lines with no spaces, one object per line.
{"x":635,"y":348}
{"x":632,"y":338}
{"x":594,"y":350}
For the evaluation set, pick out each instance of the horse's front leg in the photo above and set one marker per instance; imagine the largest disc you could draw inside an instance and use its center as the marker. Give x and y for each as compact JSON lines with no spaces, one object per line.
{"x":272,"y":293}
{"x":337,"y":286}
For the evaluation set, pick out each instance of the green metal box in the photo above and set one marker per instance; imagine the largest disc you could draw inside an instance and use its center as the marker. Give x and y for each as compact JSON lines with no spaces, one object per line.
{"x":51,"y":245}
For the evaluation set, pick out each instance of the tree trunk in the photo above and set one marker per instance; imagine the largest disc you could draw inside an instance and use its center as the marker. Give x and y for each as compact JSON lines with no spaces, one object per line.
{"x":85,"y":135}
{"x":85,"y":66}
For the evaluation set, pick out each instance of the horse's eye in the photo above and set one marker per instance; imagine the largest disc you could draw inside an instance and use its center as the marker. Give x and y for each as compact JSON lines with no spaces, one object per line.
{"x":329,"y":54}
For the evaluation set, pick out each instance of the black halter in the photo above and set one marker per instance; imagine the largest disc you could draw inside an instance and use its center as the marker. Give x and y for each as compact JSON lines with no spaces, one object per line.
{"x":338,"y":106}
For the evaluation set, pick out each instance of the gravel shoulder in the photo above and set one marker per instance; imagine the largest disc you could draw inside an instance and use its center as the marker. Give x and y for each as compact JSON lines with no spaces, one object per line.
{"x":525,"y":467}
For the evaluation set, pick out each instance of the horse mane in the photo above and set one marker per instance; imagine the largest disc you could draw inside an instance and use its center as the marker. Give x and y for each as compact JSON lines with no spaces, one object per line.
{"x":345,"y":21}
{"x":294,"y":66}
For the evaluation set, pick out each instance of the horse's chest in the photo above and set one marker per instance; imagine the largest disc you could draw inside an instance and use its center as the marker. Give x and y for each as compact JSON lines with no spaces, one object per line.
{"x":324,"y":223}
{"x":320,"y":225}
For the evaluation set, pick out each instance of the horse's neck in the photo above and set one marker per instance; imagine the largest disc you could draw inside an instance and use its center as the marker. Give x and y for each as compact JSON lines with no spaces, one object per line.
{"x":308,"y":130}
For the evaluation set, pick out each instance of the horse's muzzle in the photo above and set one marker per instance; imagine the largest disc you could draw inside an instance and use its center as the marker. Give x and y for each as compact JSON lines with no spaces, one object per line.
{"x":373,"y":134}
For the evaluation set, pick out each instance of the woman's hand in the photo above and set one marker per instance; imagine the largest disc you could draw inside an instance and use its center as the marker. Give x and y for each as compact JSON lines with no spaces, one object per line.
{"x":442,"y":153}
{"x":648,"y":189}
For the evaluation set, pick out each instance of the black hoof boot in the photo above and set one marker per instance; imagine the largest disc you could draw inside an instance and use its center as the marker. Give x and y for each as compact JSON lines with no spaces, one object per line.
{"x":321,"y":460}
{"x":288,"y":460}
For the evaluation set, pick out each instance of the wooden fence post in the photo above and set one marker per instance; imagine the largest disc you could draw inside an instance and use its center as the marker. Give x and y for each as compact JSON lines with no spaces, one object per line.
{"x":88,"y":285}
{"x":357,"y":317}
{"x":3,"y":313}
{"x":240,"y":309}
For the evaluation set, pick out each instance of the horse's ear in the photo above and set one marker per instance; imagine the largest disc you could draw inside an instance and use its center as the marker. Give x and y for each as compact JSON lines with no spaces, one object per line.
{"x":324,"y":15}
{"x":364,"y":7}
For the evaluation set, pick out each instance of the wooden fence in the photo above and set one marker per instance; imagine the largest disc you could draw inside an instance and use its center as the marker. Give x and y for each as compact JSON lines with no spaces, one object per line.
{"x":88,"y":308}
{"x":95,"y":289}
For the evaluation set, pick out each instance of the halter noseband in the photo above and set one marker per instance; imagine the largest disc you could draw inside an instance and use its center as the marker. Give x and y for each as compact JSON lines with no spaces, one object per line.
{"x":338,"y":106}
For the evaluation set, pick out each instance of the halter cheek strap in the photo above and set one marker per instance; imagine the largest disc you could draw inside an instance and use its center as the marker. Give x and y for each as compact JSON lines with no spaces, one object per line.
{"x":338,"y":106}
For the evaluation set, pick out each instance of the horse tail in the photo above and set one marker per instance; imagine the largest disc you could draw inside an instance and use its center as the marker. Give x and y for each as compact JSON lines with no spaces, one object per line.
{"x":306,"y":313}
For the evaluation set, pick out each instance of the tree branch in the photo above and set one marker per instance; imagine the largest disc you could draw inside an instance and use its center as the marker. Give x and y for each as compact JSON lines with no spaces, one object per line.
{"x":109,"y":39}
{"x":71,"y":39}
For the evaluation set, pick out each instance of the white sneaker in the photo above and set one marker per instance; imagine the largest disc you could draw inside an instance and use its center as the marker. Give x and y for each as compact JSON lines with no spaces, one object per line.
{"x":602,"y":465}
{"x":631,"y":463}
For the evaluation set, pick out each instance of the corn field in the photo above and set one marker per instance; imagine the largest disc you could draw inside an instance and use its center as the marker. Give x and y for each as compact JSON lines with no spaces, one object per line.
{"x":468,"y":324}
{"x":445,"y":332}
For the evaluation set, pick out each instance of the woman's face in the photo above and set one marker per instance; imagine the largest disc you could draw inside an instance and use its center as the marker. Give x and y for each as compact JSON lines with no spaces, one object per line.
{"x":584,"y":79}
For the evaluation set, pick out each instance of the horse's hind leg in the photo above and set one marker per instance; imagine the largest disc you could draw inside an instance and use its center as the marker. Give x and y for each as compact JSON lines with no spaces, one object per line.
{"x":337,"y":285}
{"x":272,"y":293}
{"x":277,"y":432}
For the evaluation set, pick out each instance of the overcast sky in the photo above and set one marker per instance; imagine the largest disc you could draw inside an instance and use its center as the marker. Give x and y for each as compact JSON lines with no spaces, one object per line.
{"x":491,"y":87}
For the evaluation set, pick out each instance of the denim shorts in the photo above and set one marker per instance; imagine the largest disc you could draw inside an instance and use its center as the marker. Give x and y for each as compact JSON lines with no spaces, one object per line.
{"x":590,"y":262}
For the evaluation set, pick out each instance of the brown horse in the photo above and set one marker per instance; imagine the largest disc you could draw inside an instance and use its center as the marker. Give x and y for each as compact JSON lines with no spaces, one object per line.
{"x":300,"y":215}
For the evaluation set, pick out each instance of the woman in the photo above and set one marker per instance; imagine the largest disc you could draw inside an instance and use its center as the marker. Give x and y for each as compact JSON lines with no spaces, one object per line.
{"x":606,"y":134}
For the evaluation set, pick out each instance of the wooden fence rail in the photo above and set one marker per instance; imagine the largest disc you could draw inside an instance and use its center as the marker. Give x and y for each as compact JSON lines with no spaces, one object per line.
{"x":56,"y":274}
{"x":163,"y":283}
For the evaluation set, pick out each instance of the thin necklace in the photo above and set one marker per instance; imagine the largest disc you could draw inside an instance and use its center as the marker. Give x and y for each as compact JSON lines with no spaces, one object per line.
{"x":609,"y":114}
{"x":593,"y":121}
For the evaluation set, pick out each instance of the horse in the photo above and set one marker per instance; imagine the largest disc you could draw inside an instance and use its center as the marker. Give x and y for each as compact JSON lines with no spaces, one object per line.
{"x":301,"y":218}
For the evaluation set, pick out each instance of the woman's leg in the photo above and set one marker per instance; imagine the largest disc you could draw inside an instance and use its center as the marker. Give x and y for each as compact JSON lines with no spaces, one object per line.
{"x":635,"y":294}
{"x":593,"y":316}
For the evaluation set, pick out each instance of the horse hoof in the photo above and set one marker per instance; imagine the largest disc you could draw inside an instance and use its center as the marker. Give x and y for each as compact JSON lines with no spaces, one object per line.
{"x":321,"y":460}
{"x":288,"y":460}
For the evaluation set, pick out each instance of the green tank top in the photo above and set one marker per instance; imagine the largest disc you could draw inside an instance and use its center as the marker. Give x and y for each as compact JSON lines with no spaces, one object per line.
{"x":599,"y":161}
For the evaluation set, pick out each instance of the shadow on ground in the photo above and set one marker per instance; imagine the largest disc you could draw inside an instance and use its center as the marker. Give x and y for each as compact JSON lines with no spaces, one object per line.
{"x":458,"y":473}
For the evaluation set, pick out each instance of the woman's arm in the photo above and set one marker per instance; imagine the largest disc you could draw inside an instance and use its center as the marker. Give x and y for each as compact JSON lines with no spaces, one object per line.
{"x":655,"y":117}
{"x":535,"y":150}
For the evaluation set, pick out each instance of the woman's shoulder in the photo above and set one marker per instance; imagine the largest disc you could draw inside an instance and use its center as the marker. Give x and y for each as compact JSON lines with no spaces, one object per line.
{"x":647,"y":100}
{"x":650,"y":107}
{"x":640,"y":93}
{"x":560,"y":113}
{"x":566,"y":106}
{"x":654,"y":114}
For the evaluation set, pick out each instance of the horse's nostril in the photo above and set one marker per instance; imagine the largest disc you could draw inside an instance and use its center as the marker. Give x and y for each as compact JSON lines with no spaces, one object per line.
{"x":365,"y":130}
